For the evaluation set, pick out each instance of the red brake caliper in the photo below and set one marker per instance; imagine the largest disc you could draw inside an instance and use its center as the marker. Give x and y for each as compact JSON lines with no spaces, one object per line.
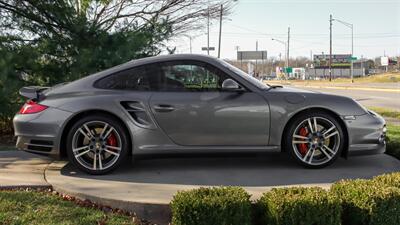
{"x":303,"y":148}
{"x":112,"y":140}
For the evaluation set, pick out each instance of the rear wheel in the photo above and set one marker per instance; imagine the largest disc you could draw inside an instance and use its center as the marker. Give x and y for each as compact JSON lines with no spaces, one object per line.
{"x":97,"y":144}
{"x":315,"y":140}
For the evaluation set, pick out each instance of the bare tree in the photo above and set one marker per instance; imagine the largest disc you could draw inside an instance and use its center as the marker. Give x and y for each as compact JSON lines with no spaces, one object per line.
{"x":109,"y":15}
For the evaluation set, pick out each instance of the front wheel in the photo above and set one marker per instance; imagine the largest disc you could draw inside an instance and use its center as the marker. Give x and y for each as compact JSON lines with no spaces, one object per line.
{"x":97,"y":144}
{"x":315,"y":140}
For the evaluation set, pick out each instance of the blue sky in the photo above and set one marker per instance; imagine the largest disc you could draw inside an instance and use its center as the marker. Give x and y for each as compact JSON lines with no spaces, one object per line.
{"x":376,"y":28}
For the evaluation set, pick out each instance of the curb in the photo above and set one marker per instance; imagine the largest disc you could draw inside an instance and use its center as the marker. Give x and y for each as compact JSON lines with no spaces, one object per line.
{"x":14,"y":187}
{"x":153,"y":212}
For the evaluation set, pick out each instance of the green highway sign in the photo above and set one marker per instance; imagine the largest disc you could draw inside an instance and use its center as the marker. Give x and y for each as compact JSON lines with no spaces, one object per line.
{"x":352,"y":58}
{"x":288,"y":69}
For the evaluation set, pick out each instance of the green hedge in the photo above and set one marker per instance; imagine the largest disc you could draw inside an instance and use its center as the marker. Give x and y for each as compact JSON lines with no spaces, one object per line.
{"x":349,"y":202}
{"x":299,"y":206}
{"x":212,"y":206}
{"x":368,"y":202}
{"x":391,"y":179}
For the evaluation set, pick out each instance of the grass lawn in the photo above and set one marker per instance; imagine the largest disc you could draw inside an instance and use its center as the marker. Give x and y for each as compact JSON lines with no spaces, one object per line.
{"x":33,"y":207}
{"x":393,"y":141}
{"x":7,"y":147}
{"x":385,"y":112}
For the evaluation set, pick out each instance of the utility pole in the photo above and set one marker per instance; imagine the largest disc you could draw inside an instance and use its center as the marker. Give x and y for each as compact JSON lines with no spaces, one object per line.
{"x":288,"y":40}
{"x":190,"y":43}
{"x":208,"y":31}
{"x":220,"y":31}
{"x":352,"y":52}
{"x":330,"y":48}
{"x":255,"y":70}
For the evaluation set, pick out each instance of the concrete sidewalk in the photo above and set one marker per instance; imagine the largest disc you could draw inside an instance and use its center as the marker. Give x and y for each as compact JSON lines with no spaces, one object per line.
{"x":20,"y":169}
{"x":146,"y":186}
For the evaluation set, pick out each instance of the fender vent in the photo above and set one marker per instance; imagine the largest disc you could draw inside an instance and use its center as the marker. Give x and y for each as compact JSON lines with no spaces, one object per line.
{"x":40,"y":145}
{"x":137,"y":112}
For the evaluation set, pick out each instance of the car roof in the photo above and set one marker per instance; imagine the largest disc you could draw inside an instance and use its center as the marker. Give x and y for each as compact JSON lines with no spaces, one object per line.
{"x":163,"y":58}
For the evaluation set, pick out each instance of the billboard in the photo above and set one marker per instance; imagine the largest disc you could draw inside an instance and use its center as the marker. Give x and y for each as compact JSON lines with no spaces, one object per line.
{"x":384,"y":61}
{"x":338,"y":61}
{"x":251,"y":55}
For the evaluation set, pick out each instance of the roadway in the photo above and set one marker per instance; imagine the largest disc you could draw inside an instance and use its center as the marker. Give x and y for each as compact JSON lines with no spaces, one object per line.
{"x":365,"y":97}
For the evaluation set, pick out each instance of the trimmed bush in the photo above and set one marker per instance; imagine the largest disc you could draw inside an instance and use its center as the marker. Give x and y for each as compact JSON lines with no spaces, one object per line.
{"x":212,"y":206}
{"x":391,"y":179}
{"x":299,"y":206}
{"x":368,"y":202}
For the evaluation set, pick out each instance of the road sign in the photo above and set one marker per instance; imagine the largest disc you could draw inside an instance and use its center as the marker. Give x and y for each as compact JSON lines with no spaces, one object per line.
{"x":353,"y":58}
{"x":288,"y":69}
{"x":252,"y":55}
{"x":384,"y":61}
{"x":210,"y":48}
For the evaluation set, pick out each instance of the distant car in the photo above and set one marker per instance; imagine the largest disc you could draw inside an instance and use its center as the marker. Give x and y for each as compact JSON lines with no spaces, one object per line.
{"x":189,"y":103}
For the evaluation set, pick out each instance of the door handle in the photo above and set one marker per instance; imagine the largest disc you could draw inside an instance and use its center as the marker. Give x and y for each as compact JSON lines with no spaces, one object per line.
{"x":163,"y":108}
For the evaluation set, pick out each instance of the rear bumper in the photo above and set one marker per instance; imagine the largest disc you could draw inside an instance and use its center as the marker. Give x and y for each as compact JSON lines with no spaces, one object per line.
{"x":40,"y":133}
{"x":367,"y":135}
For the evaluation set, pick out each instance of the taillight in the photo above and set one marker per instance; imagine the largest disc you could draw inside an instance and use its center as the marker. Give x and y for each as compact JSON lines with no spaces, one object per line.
{"x":31,"y":107}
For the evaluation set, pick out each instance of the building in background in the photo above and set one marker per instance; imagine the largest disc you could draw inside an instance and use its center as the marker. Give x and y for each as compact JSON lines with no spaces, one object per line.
{"x":341,"y":67}
{"x":299,"y":73}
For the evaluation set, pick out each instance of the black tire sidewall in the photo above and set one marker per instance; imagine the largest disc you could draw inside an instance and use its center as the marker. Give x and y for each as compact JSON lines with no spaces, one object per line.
{"x":104,"y":118}
{"x":289,"y":134}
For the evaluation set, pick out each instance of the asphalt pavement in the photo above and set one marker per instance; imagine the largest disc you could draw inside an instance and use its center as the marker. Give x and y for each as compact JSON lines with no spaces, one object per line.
{"x":365,"y":97}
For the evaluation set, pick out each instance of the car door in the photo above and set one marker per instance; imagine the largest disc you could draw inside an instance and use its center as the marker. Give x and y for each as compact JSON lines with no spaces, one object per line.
{"x":193,"y":110}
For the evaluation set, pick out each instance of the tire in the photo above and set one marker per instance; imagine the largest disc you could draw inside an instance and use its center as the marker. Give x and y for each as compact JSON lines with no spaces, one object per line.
{"x":314,"y":148}
{"x":97,"y":144}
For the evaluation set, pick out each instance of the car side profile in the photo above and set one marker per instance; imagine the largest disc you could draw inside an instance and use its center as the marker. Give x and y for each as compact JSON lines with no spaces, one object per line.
{"x":189,"y":103}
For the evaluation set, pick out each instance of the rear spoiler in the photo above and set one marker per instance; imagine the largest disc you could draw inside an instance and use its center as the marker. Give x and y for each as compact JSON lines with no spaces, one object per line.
{"x":32,"y":92}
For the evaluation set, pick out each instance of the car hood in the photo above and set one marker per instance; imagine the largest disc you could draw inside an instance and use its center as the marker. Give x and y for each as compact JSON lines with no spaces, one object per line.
{"x":342,"y":105}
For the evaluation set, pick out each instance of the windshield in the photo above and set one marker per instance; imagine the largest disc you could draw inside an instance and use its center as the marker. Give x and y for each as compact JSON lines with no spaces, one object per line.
{"x":245,"y":76}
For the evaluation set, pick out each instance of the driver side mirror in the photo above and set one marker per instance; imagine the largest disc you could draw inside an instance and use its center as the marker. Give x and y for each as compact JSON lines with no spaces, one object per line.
{"x":231,"y":85}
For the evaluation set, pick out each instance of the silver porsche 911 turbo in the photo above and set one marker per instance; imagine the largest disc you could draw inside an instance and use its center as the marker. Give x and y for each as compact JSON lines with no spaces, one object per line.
{"x":189,"y":103}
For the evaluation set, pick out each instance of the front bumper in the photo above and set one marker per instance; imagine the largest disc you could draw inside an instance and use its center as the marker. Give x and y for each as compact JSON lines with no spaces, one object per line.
{"x":366,"y":134}
{"x":41,"y":132}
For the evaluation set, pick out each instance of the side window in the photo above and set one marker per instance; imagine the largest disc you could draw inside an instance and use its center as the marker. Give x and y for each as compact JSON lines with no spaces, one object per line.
{"x":190,"y":76}
{"x":131,"y":79}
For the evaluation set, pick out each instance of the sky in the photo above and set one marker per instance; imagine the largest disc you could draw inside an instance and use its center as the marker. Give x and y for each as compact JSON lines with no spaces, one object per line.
{"x":376,"y":28}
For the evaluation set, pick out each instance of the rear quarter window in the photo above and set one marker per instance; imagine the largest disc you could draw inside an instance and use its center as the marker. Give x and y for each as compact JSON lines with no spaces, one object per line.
{"x":130,"y":79}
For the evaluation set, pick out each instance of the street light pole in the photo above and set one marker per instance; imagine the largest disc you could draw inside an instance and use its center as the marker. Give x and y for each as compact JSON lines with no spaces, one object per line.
{"x":330,"y":47}
{"x":286,"y":52}
{"x":284,"y":43}
{"x":220,"y":31}
{"x":349,"y":25}
{"x":288,"y":41}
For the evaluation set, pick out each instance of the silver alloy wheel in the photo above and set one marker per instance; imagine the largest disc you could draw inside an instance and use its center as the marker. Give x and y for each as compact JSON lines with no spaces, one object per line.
{"x":316,"y":140}
{"x":96,"y":145}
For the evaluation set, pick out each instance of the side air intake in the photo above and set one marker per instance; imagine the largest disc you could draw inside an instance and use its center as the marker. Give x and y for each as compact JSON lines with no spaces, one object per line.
{"x":137,"y":112}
